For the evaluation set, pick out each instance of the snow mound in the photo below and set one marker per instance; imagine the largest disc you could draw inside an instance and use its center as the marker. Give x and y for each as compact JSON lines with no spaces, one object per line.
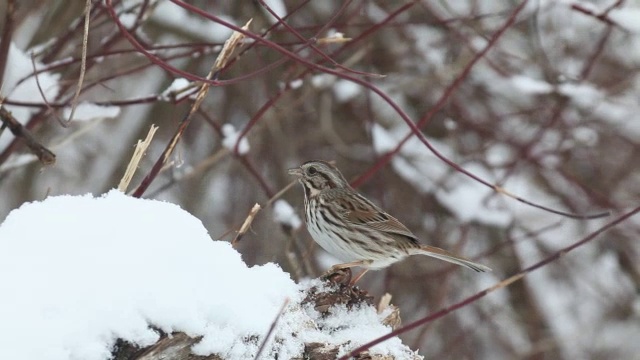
{"x":77,"y":273}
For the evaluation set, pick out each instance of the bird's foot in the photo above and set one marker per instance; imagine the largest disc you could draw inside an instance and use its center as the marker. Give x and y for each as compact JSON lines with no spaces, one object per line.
{"x":337,"y":275}
{"x":341,"y":273}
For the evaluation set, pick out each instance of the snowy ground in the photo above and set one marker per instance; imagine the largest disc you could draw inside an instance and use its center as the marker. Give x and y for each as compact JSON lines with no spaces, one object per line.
{"x":78,"y":272}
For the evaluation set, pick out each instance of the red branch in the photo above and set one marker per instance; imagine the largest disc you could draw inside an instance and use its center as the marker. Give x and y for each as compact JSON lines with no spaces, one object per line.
{"x":504,"y":283}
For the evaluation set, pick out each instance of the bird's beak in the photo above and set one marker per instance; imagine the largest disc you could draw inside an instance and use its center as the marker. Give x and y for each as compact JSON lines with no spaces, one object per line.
{"x":295,"y":171}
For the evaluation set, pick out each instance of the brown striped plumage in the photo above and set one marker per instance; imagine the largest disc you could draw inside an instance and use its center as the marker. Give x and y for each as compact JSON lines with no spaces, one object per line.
{"x":355,"y":230}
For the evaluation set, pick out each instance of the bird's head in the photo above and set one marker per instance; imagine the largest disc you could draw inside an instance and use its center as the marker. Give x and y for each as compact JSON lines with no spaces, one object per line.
{"x":317,"y":176}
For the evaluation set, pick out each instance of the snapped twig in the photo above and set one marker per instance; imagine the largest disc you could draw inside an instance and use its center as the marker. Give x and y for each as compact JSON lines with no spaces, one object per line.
{"x":46,"y":156}
{"x":247,"y":223}
{"x":138,"y":153}
{"x":223,"y":57}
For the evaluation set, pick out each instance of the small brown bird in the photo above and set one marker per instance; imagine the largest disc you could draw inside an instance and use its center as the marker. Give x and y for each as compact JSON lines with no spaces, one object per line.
{"x":355,"y":230}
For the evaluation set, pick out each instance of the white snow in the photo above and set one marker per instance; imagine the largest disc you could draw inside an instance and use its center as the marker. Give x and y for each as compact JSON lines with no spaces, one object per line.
{"x":345,"y":90}
{"x":284,"y":214}
{"x":583,"y":94}
{"x":627,"y":17}
{"x":88,"y":111}
{"x":295,"y":84}
{"x":530,"y":85}
{"x":78,"y":272}
{"x":19,"y":66}
{"x":322,"y":81}
{"x":231,"y":138}
{"x":19,"y":86}
{"x":365,"y":323}
{"x":426,"y":39}
{"x":498,"y":155}
{"x":128,"y":19}
{"x":585,"y":135}
{"x":467,"y":199}
{"x":173,"y":16}
{"x":176,"y":90}
{"x":460,"y":194}
{"x":94,"y":269}
{"x":278,"y":7}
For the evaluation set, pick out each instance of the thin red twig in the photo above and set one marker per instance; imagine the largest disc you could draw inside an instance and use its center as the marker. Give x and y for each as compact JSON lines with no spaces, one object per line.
{"x":504,"y":283}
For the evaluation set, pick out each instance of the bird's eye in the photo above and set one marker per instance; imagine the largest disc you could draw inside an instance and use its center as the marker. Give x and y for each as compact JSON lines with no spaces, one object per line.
{"x":312,"y":171}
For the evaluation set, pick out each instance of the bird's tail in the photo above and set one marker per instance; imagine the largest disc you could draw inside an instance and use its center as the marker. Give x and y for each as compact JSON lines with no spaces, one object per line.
{"x":447,"y":256}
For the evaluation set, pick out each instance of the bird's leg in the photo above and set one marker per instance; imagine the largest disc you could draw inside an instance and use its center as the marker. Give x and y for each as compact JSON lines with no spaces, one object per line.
{"x":354,"y":281}
{"x":350,"y":265}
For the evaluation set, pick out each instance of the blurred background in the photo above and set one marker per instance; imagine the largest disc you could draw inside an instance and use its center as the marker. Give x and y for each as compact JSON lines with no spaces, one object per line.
{"x":538,"y":97}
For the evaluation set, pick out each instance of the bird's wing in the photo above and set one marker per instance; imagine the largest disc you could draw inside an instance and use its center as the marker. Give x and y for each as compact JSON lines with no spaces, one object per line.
{"x":375,"y":218}
{"x":371,"y":216}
